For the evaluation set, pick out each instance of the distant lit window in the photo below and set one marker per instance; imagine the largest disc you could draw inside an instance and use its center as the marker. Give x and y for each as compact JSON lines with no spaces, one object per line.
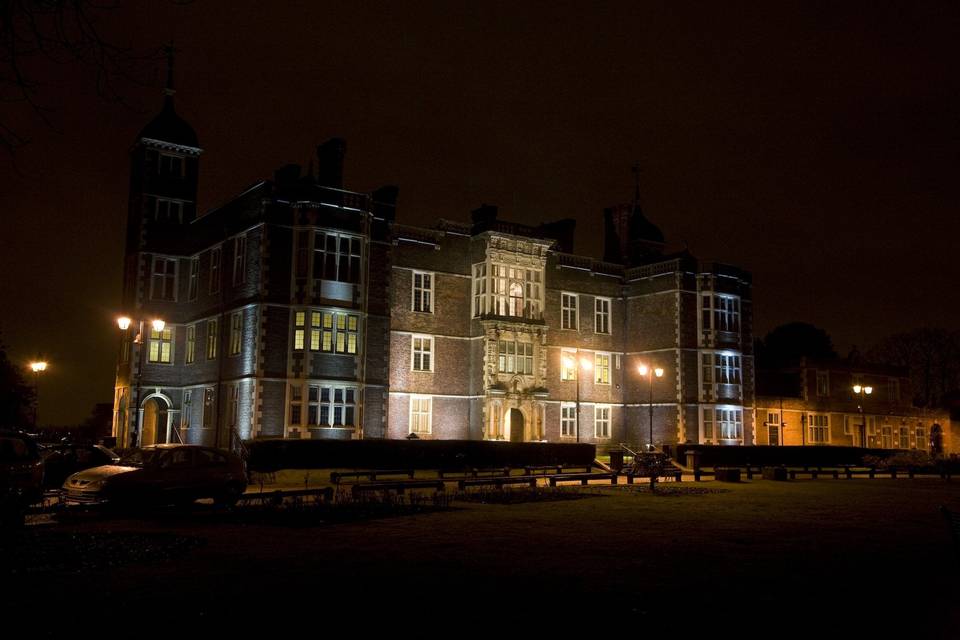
{"x":904,"y":433}
{"x":568,"y":365}
{"x":921,"y":437}
{"x":299,"y":318}
{"x":601,"y":368}
{"x":161,"y":346}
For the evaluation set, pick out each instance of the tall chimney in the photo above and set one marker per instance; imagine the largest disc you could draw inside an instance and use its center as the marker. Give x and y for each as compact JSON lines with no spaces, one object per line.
{"x":330,"y":156}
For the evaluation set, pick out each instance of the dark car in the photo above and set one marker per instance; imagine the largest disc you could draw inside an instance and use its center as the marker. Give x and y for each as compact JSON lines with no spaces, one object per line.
{"x":21,"y":476}
{"x":63,"y":460}
{"x":162,"y":474}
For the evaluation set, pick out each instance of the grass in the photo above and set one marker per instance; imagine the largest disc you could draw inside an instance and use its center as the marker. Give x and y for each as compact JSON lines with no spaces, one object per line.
{"x":824,"y":557}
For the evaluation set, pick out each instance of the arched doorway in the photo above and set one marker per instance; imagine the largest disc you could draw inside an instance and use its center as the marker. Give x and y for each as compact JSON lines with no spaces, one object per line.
{"x":154,"y":422}
{"x":515,"y":425}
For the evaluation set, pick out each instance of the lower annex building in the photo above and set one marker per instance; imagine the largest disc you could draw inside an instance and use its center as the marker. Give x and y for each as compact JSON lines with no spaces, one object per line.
{"x":302,"y":310}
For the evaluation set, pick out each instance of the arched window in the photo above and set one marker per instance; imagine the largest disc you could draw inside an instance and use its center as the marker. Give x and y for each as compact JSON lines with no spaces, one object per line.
{"x":516,"y":299}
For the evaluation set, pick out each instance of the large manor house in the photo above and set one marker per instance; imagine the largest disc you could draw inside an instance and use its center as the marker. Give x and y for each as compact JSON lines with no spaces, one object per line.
{"x":300,"y":309}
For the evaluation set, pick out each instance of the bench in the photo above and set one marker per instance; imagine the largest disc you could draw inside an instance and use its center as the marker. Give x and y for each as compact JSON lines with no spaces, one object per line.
{"x":814,"y":473}
{"x":583,"y":478}
{"x":399,"y":486}
{"x":498,"y":482}
{"x":670,"y":472}
{"x":556,"y":468}
{"x":474,"y":472}
{"x":276,"y":498}
{"x":371,"y":474}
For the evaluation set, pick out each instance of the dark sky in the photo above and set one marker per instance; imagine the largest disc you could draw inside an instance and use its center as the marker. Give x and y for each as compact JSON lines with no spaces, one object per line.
{"x":814,"y":144}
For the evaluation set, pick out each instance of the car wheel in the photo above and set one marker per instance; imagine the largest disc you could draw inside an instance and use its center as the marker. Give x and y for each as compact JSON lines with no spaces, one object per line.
{"x":229,"y":497}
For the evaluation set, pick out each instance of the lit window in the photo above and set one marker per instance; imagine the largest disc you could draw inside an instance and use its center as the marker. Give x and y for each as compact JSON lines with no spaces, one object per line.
{"x":163,"y":284}
{"x":236,"y":333}
{"x":299,"y":318}
{"x":505,"y":290}
{"x":161,"y":345}
{"x":568,"y":419}
{"x":601,"y":420}
{"x":601,"y":367}
{"x":921,"y":437}
{"x":212,"y":338}
{"x":904,"y":433}
{"x":568,"y":311}
{"x":515,"y":357}
{"x":422,"y":353}
{"x":719,"y":368}
{"x":720,"y":313}
{"x":602,"y":315}
{"x":479,"y":289}
{"x":729,"y":424}
{"x":423,"y":292}
{"x":818,"y":427}
{"x":421,"y":414}
{"x":568,"y":365}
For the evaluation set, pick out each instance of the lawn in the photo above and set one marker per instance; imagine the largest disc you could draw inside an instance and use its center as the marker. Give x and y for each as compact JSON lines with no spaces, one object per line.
{"x":748,"y":559}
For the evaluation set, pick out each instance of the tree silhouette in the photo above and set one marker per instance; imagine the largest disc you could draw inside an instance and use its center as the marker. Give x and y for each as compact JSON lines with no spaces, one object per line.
{"x":16,"y":396}
{"x":786,"y":344}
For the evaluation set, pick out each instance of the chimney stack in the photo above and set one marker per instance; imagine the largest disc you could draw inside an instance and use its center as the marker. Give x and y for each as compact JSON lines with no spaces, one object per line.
{"x":330,"y":156}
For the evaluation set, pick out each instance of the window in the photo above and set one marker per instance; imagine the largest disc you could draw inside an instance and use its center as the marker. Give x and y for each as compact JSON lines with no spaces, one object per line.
{"x":904,"y":437}
{"x":729,"y":423}
{"x":818,"y":426}
{"x":773,"y":428}
{"x":601,"y":368}
{"x":508,"y":291}
{"x":170,"y":165}
{"x":213,"y":327}
{"x":236,"y":333}
{"x":234,"y":404}
{"x":719,"y":368}
{"x":163,"y":284}
{"x":568,"y":419}
{"x":303,"y":253}
{"x":823,"y":383}
{"x":329,"y":406}
{"x":168,"y":211}
{"x":921,"y":437}
{"x":568,"y":311}
{"x":568,"y":365}
{"x":187,"y":409}
{"x":336,"y":257}
{"x":208,"y":408}
{"x":296,"y":405}
{"x":194,"y":283}
{"x":601,"y":315}
{"x":893,"y":390}
{"x":329,"y":331}
{"x":423,"y":292}
{"x":161,"y":345}
{"x":298,"y":320}
{"x":239,"y":260}
{"x":601,"y":420}
{"x":422,"y":350}
{"x":216,"y":255}
{"x":421,"y":414}
{"x":191,"y":354}
{"x":720,"y":313}
{"x":479,"y":289}
{"x":515,"y":357}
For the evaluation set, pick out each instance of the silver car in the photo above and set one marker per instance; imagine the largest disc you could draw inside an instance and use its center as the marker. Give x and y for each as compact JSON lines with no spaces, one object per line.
{"x":162,"y":474}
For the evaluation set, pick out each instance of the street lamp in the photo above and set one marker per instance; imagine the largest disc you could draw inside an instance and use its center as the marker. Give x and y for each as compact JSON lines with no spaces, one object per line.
{"x":570,"y":363}
{"x":38,"y":367}
{"x":124,"y":323}
{"x":862,"y":392}
{"x":649,"y":373}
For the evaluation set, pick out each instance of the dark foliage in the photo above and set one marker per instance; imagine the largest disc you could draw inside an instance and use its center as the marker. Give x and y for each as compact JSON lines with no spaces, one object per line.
{"x":16,"y":396}
{"x":786,"y":344}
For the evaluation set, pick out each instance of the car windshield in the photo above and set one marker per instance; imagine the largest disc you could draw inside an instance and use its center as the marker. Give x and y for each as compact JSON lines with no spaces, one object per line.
{"x":140,"y":458}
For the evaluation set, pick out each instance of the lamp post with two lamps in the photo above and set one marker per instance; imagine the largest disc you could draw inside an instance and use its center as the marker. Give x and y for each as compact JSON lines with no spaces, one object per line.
{"x":862,"y":392}
{"x":649,"y":373}
{"x":157,"y":325}
{"x":571,"y":363}
{"x":38,"y":366}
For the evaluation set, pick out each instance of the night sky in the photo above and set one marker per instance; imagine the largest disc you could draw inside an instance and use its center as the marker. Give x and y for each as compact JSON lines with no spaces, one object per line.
{"x":813,"y":144}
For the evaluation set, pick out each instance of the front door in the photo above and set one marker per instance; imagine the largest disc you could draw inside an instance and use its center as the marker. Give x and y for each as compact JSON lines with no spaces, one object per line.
{"x":516,"y":425}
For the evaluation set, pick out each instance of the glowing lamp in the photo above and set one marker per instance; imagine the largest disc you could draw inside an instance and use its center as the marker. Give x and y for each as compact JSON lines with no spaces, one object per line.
{"x":643,"y":369}
{"x":158,"y":325}
{"x":658,"y":372}
{"x":124,"y":323}
{"x":37,"y":367}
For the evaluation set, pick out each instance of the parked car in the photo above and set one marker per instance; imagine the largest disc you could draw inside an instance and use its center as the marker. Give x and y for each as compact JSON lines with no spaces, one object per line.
{"x":64,"y":459}
{"x":21,"y":476}
{"x":162,"y":474}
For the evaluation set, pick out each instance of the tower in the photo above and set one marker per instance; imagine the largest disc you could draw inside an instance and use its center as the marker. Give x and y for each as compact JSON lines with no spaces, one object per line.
{"x":629,"y":237}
